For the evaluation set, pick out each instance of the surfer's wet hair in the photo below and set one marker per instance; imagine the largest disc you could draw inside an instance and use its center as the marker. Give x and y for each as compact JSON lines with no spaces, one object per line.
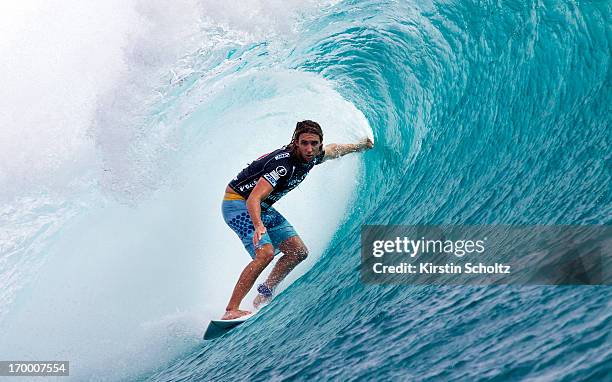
{"x":305,"y":127}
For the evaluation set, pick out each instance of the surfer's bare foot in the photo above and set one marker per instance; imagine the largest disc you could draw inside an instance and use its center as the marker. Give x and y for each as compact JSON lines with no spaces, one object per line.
{"x":231,"y":314}
{"x":260,"y":300}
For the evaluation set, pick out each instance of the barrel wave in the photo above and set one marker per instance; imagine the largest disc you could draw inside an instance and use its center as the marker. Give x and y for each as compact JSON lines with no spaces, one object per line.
{"x":482,"y":112}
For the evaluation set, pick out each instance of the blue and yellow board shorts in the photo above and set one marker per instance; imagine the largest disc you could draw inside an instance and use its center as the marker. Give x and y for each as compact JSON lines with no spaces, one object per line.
{"x":236,"y":216}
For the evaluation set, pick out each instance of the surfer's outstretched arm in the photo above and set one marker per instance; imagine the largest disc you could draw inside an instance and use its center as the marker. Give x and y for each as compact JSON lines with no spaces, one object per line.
{"x":336,"y":150}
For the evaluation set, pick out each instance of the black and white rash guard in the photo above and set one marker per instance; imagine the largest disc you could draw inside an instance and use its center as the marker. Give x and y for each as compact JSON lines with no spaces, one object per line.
{"x":280,"y":168}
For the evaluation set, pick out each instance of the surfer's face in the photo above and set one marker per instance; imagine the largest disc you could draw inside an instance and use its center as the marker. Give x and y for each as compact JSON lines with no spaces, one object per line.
{"x":308,"y":146}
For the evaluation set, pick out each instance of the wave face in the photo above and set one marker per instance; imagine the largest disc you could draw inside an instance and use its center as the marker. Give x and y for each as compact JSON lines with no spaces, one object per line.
{"x":481,"y":114}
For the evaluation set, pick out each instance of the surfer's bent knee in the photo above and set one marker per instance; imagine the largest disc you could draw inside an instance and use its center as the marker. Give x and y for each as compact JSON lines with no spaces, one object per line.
{"x":303,"y":254}
{"x":265,"y":253}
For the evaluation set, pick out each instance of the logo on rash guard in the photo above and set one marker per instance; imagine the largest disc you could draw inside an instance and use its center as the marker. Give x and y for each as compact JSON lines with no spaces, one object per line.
{"x":281,"y":156}
{"x":248,"y":186}
{"x":272,"y":177}
{"x":280,"y":170}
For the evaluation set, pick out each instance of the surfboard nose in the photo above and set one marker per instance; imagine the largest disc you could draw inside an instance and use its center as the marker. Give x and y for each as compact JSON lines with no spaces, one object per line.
{"x":217,"y":328}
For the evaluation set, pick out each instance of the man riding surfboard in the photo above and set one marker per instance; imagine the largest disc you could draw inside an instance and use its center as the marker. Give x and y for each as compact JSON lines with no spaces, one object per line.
{"x":247,"y":209}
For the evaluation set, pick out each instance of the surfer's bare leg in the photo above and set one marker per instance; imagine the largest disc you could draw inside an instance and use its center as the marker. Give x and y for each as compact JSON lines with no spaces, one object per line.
{"x":294,"y":253}
{"x":263,"y":257}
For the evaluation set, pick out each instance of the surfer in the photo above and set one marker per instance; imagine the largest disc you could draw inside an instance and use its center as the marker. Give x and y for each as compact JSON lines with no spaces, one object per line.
{"x":247,"y":209}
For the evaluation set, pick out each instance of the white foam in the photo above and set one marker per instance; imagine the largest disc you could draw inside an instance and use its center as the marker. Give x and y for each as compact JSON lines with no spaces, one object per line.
{"x":66,"y":64}
{"x":77,"y":76}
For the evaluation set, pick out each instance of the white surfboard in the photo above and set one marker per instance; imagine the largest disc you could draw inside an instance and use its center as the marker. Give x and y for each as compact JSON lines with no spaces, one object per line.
{"x":217,"y":328}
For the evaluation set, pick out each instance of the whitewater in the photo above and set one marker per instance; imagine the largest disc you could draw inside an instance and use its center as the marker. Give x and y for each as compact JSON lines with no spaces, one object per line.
{"x":122,"y":122}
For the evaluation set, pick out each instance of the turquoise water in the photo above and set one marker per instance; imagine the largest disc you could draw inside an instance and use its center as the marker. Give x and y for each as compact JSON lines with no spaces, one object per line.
{"x":483,"y":112}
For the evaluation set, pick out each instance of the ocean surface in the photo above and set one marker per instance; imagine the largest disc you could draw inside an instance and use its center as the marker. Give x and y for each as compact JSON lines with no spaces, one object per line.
{"x":123,"y":121}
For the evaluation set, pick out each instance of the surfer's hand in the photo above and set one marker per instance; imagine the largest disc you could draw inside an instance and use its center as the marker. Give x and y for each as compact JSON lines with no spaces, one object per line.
{"x":260,"y":230}
{"x":367,"y":143}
